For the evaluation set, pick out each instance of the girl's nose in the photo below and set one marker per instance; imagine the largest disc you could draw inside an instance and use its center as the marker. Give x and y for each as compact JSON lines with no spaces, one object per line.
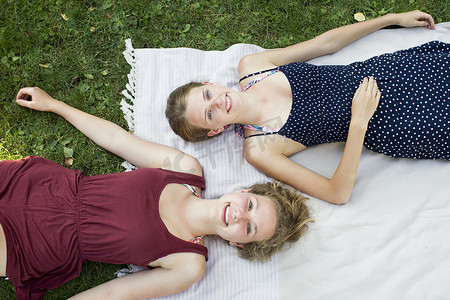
{"x":240,"y":215}
{"x":217,"y":102}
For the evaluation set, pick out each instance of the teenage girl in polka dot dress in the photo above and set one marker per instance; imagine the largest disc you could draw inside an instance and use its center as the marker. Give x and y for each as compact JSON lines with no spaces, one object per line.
{"x":292,"y":105}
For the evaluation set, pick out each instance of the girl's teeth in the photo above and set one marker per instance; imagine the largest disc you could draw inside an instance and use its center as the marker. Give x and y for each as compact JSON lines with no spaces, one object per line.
{"x":226,"y":214}
{"x":228,"y":103}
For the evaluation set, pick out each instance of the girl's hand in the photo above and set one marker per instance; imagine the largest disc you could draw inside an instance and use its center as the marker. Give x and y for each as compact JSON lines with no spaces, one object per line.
{"x":415,"y":19}
{"x":34,"y":98}
{"x":365,"y":101}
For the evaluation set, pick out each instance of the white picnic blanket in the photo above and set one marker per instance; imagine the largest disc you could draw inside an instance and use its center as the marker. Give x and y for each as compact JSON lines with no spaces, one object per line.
{"x":391,"y":241}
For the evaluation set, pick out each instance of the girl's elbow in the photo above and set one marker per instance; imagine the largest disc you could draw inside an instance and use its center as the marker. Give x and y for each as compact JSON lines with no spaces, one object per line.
{"x":339,"y":200}
{"x":338,"y":196}
{"x":339,"y":188}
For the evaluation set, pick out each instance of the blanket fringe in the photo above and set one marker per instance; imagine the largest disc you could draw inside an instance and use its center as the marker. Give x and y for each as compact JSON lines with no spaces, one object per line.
{"x":127,"y":103}
{"x":130,"y":91}
{"x":130,"y":269}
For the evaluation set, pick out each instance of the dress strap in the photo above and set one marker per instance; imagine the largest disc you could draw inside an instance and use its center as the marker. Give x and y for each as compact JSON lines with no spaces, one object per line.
{"x":260,"y":134}
{"x":191,"y":189}
{"x":239,"y":130}
{"x":181,"y":178}
{"x":257,"y":73}
{"x":264,"y":75}
{"x":197,"y":239}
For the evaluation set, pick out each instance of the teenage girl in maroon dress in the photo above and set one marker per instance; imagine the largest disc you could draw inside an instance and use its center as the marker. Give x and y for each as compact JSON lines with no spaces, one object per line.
{"x":52,"y":219}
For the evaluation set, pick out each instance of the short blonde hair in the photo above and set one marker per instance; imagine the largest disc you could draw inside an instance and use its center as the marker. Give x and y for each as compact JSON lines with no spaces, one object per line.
{"x":292,"y":220}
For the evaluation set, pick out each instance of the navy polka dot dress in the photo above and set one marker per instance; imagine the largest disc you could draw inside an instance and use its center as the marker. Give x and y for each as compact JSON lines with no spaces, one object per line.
{"x":412,"y":119}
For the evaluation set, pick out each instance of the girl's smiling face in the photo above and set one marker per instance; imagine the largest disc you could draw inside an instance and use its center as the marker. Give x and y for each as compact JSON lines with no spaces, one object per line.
{"x":212,"y":106}
{"x":243,"y":217}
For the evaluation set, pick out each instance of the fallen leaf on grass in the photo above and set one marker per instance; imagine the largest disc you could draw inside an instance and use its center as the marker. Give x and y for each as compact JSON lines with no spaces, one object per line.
{"x":65,"y":141}
{"x":68,"y":161}
{"x":65,"y":17}
{"x":187,"y":27}
{"x":44,"y":66}
{"x":68,"y":153}
{"x":106,"y":5}
{"x":359,"y":17}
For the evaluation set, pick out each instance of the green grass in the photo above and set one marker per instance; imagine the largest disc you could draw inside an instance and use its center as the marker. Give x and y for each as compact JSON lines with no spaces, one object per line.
{"x":73,"y":50}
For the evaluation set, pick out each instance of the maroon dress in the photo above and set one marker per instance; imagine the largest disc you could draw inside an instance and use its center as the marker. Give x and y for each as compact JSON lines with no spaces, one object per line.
{"x":55,"y":218}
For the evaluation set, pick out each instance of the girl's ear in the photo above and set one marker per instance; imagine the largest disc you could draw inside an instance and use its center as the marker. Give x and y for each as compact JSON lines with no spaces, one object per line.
{"x":237,"y":244}
{"x":216,"y":131}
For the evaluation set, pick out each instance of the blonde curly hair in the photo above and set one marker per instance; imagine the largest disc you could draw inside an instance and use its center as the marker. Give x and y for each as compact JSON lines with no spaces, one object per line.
{"x":292,"y":220}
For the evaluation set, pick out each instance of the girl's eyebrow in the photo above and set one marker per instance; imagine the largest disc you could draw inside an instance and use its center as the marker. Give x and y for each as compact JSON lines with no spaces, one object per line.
{"x":256,"y":209}
{"x":203,"y":93}
{"x":206,"y":109}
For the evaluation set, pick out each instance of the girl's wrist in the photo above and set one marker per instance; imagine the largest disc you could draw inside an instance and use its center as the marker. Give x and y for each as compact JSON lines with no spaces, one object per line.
{"x":391,"y":19}
{"x":56,"y":106}
{"x":358,"y":125}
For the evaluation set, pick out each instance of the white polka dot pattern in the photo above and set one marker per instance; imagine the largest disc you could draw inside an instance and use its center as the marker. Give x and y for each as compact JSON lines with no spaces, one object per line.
{"x":412,"y":119}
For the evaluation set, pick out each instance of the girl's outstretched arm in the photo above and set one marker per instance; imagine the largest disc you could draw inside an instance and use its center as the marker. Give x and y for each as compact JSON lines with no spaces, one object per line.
{"x":182,"y":271}
{"x":330,"y":41}
{"x":110,"y":136}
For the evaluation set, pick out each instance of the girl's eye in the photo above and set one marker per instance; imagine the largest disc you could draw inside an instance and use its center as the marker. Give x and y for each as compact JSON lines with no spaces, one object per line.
{"x":210,"y":115}
{"x":248,"y":228}
{"x":208,"y":95}
{"x":250,"y":205}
